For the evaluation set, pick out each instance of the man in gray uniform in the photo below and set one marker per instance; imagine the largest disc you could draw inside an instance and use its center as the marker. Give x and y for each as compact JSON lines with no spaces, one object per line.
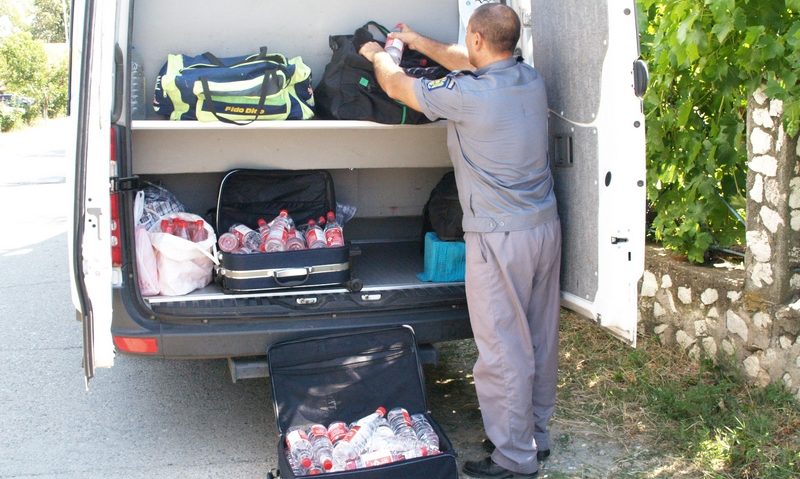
{"x":496,"y":109}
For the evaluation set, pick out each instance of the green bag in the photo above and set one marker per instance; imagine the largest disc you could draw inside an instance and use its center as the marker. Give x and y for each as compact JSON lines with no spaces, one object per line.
{"x":236,"y":90}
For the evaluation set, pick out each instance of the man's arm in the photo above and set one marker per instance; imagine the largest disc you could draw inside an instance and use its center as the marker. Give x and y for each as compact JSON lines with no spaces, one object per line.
{"x":391,"y":77}
{"x":450,"y":56}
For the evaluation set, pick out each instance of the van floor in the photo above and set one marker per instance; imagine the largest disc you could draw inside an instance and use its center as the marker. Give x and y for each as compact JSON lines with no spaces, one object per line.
{"x":379,"y":265}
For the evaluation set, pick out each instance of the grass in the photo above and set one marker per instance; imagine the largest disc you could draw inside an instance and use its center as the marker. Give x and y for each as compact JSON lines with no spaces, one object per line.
{"x":702,"y":418}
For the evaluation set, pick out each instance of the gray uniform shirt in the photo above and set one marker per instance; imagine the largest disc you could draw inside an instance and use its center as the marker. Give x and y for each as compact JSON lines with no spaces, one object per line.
{"x":497,"y":140}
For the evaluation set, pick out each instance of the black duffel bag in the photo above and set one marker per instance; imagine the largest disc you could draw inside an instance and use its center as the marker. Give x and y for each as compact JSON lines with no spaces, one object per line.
{"x":349,"y":90}
{"x":442,"y":213}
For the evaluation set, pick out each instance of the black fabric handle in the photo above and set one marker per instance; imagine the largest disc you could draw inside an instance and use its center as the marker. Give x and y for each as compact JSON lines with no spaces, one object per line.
{"x":261,"y":55}
{"x":209,"y":104}
{"x":377,"y":25}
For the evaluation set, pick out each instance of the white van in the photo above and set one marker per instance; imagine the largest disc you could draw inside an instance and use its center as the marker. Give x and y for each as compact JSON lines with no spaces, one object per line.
{"x":587,"y":50}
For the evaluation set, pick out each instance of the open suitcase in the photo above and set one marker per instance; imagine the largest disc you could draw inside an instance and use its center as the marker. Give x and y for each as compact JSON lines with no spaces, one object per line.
{"x":347,"y":376}
{"x":245,"y":195}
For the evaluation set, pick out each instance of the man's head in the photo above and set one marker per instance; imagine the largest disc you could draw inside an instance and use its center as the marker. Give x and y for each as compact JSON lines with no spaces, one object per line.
{"x":493,"y":31}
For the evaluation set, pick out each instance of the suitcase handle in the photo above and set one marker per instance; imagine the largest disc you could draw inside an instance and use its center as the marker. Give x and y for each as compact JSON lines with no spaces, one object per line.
{"x":291,"y":273}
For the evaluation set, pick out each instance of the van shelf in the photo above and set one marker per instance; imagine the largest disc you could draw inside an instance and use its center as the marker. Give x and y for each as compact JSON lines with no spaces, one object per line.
{"x":177,"y":147}
{"x":275,"y":125}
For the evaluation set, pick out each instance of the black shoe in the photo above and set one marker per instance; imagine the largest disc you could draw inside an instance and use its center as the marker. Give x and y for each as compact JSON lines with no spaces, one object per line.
{"x":486,"y":468}
{"x":489,"y":447}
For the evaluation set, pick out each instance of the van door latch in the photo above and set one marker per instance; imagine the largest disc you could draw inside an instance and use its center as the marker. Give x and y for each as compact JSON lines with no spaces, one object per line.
{"x":126,"y":183}
{"x":615,"y":240}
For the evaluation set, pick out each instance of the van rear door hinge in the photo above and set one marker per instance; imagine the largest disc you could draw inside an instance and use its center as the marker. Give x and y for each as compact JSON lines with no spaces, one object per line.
{"x":127,"y":183}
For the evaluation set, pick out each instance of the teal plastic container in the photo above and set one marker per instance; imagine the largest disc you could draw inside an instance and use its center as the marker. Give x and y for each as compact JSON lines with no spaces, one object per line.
{"x":445,"y":261}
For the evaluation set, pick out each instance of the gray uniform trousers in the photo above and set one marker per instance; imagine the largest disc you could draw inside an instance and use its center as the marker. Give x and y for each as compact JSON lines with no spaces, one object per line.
{"x":513,"y":295}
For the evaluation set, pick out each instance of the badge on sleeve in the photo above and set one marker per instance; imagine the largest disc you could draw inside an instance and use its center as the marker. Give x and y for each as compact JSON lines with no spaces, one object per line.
{"x":446,"y":82}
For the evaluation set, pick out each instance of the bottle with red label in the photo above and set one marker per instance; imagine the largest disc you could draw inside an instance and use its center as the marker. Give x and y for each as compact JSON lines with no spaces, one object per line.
{"x":394,"y":47}
{"x":296,"y":240}
{"x":278,"y":233}
{"x":180,"y":229}
{"x":321,"y":447}
{"x":315,"y":237}
{"x":248,"y":238}
{"x":334,"y":235}
{"x":167,"y":226}
{"x":299,"y":448}
{"x":349,"y":448}
{"x":197,"y":231}
{"x":228,"y":242}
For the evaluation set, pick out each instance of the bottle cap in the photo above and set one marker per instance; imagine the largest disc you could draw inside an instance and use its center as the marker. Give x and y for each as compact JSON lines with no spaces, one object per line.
{"x":327,"y":464}
{"x":306,"y":462}
{"x":381,"y":410}
{"x":261,"y":222}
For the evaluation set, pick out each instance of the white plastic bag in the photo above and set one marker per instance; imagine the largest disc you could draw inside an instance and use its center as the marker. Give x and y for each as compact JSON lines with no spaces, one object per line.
{"x":146,"y":264}
{"x":183,"y":265}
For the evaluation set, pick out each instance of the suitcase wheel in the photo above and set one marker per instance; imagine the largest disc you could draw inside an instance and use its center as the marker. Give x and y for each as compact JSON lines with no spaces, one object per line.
{"x":354,"y":285}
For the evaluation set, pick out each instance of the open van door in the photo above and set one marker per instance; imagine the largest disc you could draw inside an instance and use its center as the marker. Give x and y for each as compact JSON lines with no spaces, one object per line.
{"x":91,"y":92}
{"x":588,"y":53}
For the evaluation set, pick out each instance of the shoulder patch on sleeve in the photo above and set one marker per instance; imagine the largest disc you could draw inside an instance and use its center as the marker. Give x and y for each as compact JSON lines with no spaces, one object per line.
{"x":447,"y":82}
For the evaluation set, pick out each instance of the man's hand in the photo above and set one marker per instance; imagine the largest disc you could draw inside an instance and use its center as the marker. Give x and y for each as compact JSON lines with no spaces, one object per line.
{"x":406,"y":35}
{"x":369,"y":49}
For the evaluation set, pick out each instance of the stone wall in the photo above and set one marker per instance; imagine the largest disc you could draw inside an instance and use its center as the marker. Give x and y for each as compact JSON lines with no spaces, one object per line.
{"x":702,"y":310}
{"x":750,"y":313}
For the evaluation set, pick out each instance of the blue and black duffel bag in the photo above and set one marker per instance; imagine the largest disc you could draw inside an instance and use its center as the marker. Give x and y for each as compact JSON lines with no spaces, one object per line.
{"x":235,"y":90}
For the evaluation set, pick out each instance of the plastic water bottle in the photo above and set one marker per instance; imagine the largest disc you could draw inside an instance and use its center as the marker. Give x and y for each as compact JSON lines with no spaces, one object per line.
{"x":425,"y":433}
{"x":321,"y":447}
{"x":181,"y":230}
{"x":315,"y":237}
{"x":334,"y":236}
{"x":350,"y":447}
{"x":197,"y":231}
{"x":228,"y":242}
{"x":394,"y":47}
{"x":400,"y":422}
{"x":299,"y":448}
{"x":278,"y":233}
{"x":138,"y":87}
{"x":383,"y":439}
{"x":337,"y":430}
{"x":295,"y":241}
{"x":248,"y":239}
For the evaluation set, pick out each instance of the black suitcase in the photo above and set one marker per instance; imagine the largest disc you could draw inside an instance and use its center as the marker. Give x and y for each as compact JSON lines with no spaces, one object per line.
{"x":347,"y":376}
{"x":245,"y":195}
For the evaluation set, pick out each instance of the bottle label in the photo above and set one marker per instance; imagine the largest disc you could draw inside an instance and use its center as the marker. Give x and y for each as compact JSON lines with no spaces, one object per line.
{"x":294,"y":437}
{"x":337,"y":431}
{"x":334,"y":237}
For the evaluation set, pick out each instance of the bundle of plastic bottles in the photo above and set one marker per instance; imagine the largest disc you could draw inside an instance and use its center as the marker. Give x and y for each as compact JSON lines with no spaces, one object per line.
{"x":281,"y":234}
{"x":376,"y":439}
{"x":194,"y":231}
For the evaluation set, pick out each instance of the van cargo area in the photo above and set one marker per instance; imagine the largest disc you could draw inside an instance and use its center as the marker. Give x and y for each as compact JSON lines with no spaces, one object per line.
{"x":385,"y":236}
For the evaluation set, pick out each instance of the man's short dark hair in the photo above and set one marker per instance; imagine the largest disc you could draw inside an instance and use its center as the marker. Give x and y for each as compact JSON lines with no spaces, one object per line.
{"x":498,"y":24}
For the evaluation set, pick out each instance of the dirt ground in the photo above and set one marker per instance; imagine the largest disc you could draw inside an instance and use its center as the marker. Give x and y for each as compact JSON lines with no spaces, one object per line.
{"x":580,"y":448}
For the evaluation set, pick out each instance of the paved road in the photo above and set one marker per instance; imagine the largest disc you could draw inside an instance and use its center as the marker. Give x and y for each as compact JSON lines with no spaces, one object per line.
{"x":143,"y":418}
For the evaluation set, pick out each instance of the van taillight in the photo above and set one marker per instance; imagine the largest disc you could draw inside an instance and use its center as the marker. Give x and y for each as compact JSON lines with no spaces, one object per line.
{"x":136,"y":345}
{"x":116,"y":243}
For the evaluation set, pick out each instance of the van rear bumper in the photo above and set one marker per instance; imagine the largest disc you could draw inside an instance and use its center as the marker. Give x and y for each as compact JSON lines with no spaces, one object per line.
{"x":204,"y":338}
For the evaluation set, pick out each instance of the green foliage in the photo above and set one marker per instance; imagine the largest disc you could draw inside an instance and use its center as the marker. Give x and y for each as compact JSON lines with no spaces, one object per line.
{"x":10,"y":117}
{"x":25,"y":71}
{"x":50,"y":19}
{"x":23,"y":64}
{"x":706,"y":57}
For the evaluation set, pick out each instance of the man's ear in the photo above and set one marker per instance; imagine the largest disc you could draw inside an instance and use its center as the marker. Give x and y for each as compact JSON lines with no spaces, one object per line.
{"x":477,"y":41}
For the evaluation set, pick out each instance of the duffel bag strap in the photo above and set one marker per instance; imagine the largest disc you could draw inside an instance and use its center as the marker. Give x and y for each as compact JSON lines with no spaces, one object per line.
{"x":385,"y":31}
{"x":261,"y":55}
{"x":268,"y":77}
